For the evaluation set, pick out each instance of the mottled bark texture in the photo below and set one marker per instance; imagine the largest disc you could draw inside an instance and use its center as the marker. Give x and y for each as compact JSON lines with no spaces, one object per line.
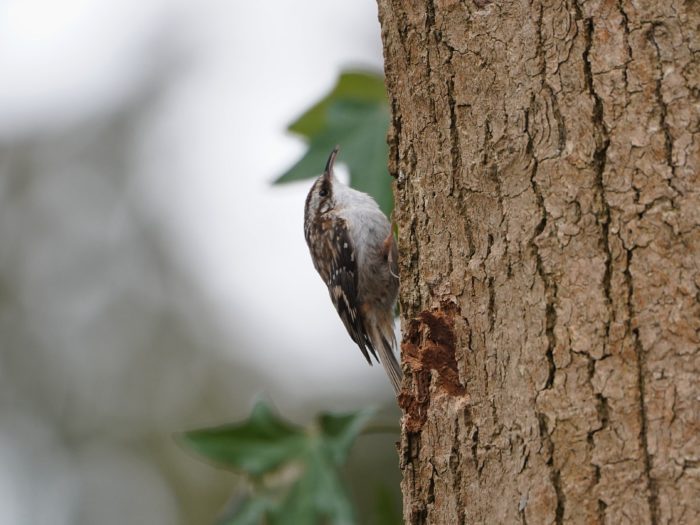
{"x":548,"y":205}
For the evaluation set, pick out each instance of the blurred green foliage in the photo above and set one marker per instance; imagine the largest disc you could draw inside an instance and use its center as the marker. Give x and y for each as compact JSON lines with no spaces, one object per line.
{"x":294,"y":471}
{"x":355,"y":115}
{"x":386,"y":512}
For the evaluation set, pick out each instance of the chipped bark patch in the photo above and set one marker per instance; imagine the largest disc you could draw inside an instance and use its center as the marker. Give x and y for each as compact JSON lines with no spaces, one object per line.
{"x":428,"y":349}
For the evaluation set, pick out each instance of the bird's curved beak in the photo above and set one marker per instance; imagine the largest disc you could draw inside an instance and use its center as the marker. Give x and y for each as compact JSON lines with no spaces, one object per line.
{"x":328,"y":172}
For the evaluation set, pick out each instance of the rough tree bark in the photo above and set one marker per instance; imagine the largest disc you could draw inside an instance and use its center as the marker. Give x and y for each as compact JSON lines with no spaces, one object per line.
{"x":547,"y":157}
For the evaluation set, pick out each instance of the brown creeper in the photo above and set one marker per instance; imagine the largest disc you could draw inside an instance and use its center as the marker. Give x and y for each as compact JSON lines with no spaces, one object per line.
{"x":353,"y":250}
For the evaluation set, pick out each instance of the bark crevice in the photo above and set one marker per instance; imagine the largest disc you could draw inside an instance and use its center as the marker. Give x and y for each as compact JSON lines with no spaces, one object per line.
{"x":549,"y":285}
{"x":550,"y":294}
{"x":554,"y":473}
{"x":633,"y":331}
{"x":455,"y":147}
{"x":628,"y":48}
{"x":663,"y":107}
{"x":600,"y":157}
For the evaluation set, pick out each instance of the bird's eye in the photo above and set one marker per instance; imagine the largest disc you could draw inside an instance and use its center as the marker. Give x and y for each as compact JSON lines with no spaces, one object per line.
{"x":323,"y":192}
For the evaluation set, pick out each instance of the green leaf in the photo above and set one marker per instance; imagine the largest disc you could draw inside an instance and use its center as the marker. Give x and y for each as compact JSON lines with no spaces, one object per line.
{"x":360,"y":130}
{"x":351,"y":86}
{"x":339,"y":431}
{"x":263,"y":443}
{"x":355,"y":115}
{"x":257,"y":446}
{"x":330,"y":496}
{"x":317,"y":497}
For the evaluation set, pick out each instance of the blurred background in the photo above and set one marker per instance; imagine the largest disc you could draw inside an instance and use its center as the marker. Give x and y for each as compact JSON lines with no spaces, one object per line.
{"x":152,"y":280}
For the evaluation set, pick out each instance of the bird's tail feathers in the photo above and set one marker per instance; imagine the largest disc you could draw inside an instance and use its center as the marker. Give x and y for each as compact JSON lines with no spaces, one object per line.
{"x":384,"y":342}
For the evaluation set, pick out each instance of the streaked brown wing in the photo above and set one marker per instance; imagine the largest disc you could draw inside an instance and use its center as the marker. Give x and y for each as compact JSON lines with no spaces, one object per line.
{"x":342,"y":286}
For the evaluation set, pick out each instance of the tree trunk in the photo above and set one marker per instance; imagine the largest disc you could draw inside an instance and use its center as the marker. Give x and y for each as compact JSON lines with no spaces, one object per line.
{"x":548,"y":205}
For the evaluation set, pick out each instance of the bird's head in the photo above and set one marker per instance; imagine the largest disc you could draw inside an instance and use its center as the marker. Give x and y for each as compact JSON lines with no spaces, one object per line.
{"x":320,"y":199}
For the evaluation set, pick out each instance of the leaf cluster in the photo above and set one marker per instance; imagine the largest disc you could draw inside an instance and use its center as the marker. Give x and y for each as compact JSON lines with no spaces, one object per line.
{"x":294,"y":470}
{"x":355,"y":115}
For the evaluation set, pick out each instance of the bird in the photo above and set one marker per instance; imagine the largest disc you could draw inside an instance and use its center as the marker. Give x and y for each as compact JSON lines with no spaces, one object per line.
{"x":353,"y":250}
